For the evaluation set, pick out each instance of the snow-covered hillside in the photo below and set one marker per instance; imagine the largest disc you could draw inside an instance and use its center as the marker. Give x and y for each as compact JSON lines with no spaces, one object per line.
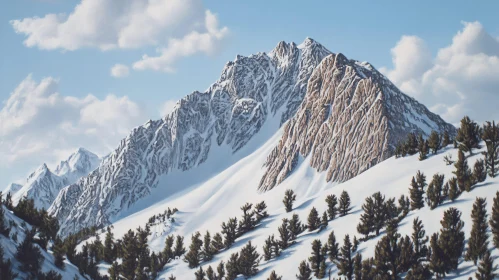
{"x":206,"y":205}
{"x":43,"y":185}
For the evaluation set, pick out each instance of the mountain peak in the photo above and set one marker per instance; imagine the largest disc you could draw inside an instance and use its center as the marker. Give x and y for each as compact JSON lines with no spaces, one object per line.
{"x":82,"y":161}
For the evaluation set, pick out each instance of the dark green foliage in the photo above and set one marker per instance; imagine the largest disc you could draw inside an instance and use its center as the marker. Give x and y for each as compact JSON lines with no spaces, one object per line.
{"x":419,"y":271}
{"x":167,"y":253}
{"x":172,"y":277}
{"x":322,"y":269}
{"x":304,"y":271}
{"x":479,"y":172}
{"x":51,"y":275}
{"x":289,"y":198}
{"x":193,"y":256}
{"x":274,"y":276}
{"x":154,"y":266}
{"x":419,"y":240}
{"x":29,"y":255}
{"x":406,"y":258}
{"x":468,"y":135}
{"x":368,"y":270}
{"x":200,"y":274}
{"x":229,"y":232}
{"x":210,"y":274}
{"x":6,"y":267}
{"x":454,"y":191}
{"x":418,"y":184}
{"x":344,"y":261}
{"x":316,"y":258}
{"x":357,"y":266}
{"x":248,"y":260}
{"x":268,"y":248}
{"x":407,"y":147}
{"x":295,"y":226}
{"x":332,"y":208}
{"x":387,"y":255}
{"x":423,"y":148}
{"x":260,"y":211}
{"x":324,"y":220}
{"x":491,"y":137}
{"x":114,"y":271}
{"x":404,"y":206}
{"x":451,"y":239}
{"x":313,"y":220}
{"x":129,"y":255}
{"x":477,"y":243}
{"x":434,"y":192}
{"x":494,"y":221}
{"x":4,"y":229}
{"x":110,"y":253}
{"x":8,"y":201}
{"x":143,"y":253}
{"x":208,"y":250}
{"x":284,"y":234}
{"x":333,"y":247}
{"x":463,"y":173}
{"x":366,"y":225}
{"x":58,"y":251}
{"x":446,"y":139}
{"x":434,"y":142}
{"x":232,"y":267}
{"x":247,"y":222}
{"x":486,"y":268}
{"x":221,"y":270}
{"x":344,"y":203}
{"x":179,"y":249}
{"x":217,"y":242}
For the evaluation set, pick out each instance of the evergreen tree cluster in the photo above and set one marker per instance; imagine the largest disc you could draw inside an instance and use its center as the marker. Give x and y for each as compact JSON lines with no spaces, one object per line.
{"x":377,"y":212}
{"x":414,"y":144}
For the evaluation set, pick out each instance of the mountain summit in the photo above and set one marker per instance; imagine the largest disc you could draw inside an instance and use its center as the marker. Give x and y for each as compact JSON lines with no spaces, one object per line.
{"x":322,"y":93}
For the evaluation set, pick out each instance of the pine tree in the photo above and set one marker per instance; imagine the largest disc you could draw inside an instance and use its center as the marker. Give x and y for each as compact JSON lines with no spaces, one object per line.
{"x":167,"y":253}
{"x":419,"y":239}
{"x":193,"y":256}
{"x":200,"y":274}
{"x":248,"y":260}
{"x":486,"y":268}
{"x":491,"y":137}
{"x":247,"y":223}
{"x":289,"y":198}
{"x":417,"y":190}
{"x":58,"y":252}
{"x":419,"y":271}
{"x":494,"y":221}
{"x":313,"y":220}
{"x":379,"y":212}
{"x":345,"y":260}
{"x":295,"y":226}
{"x":322,"y":269}
{"x":434,"y":142}
{"x":284,"y":234}
{"x":109,"y":247}
{"x":317,"y":257}
{"x":468,"y":135}
{"x":143,"y":253}
{"x":387,"y":254}
{"x":411,"y":144}
{"x":366,"y":224}
{"x":332,"y":203}
{"x":4,"y":229}
{"x":268,"y":248}
{"x":114,"y":271}
{"x":477,"y":243}
{"x":454,"y":191}
{"x":304,"y":271}
{"x":404,"y":206}
{"x":217,"y":242}
{"x":232,"y":267}
{"x":210,"y":273}
{"x":129,"y":255}
{"x":29,"y":255}
{"x":274,"y":276}
{"x":434,"y":191}
{"x":172,"y":277}
{"x":407,"y":256}
{"x":423,"y":148}
{"x":260,"y":211}
{"x":207,"y":252}
{"x":451,"y":239}
{"x":344,"y":203}
{"x":6,"y":267}
{"x":479,"y":172}
{"x":154,"y":266}
{"x":324,"y":220}
{"x":333,"y":247}
{"x":8,"y":201}
{"x":221,"y":270}
{"x":462,"y":172}
{"x":229,"y":232}
{"x":446,"y":139}
{"x":357,"y":267}
{"x":179,"y":249}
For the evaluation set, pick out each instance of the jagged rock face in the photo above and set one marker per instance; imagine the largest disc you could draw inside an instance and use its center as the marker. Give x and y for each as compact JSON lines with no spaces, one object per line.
{"x":351,"y":118}
{"x":43,"y":185}
{"x":249,"y":92}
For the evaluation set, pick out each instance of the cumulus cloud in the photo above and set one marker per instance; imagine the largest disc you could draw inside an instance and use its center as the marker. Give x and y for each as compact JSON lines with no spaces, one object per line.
{"x":119,"y":71}
{"x":38,"y":124}
{"x":461,"y":79}
{"x":176,"y":28}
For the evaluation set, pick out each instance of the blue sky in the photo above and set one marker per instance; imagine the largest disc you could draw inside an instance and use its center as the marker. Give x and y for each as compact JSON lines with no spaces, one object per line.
{"x":362,"y":30}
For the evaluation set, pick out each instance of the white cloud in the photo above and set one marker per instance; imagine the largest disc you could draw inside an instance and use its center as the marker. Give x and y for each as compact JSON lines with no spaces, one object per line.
{"x":167,"y":107}
{"x":461,"y":79}
{"x":38,"y":124}
{"x":183,"y":26}
{"x":119,"y":71}
{"x":192,"y":43}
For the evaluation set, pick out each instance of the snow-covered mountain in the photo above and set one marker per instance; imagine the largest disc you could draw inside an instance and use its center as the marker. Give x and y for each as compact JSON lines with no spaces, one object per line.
{"x":12,"y":188}
{"x":43,"y":185}
{"x":251,"y":92}
{"x":352,"y":118}
{"x":343,"y":112}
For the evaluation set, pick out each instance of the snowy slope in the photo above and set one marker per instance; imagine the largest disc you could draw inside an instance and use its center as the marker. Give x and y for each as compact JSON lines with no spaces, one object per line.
{"x":206,"y":205}
{"x":43,"y":185}
{"x":12,"y":189}
{"x":10,"y":249}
